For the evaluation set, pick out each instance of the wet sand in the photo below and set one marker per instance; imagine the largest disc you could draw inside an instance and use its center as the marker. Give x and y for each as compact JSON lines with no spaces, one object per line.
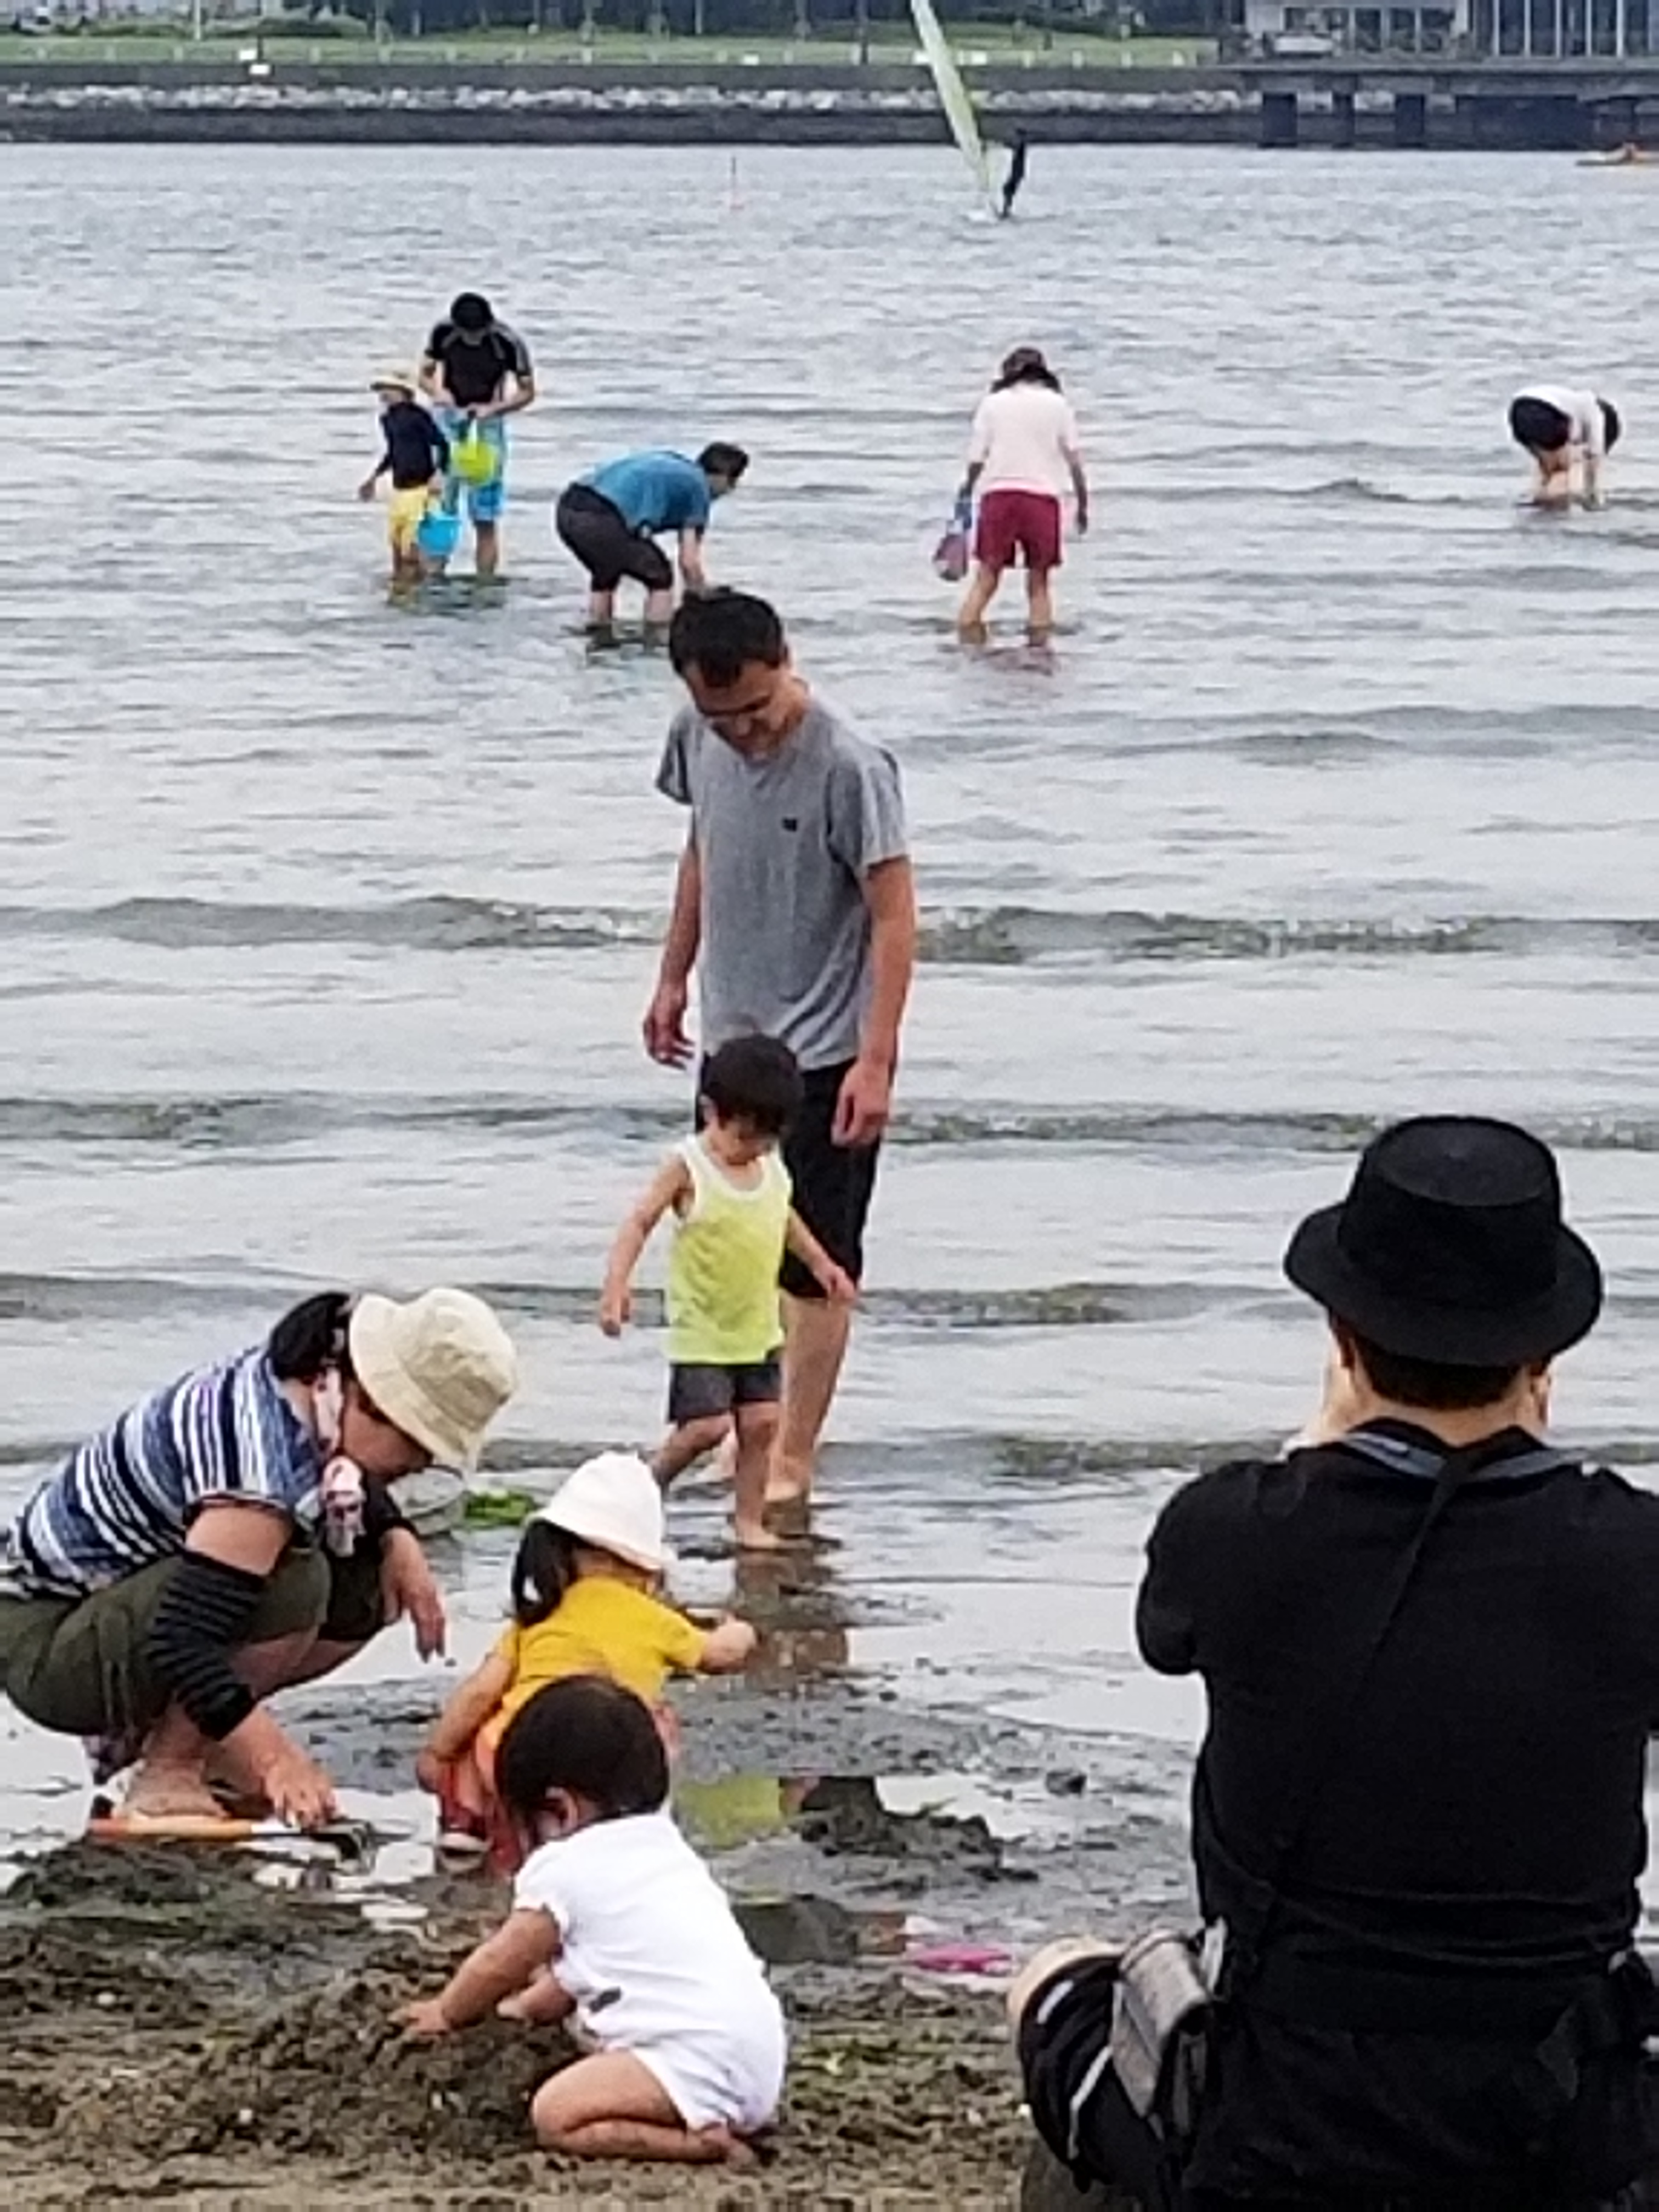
{"x":192,"y":2026}
{"x":175,"y":2032}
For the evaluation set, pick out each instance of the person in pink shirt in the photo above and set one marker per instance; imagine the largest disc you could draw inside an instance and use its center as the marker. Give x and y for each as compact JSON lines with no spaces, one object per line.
{"x":1022,"y":458}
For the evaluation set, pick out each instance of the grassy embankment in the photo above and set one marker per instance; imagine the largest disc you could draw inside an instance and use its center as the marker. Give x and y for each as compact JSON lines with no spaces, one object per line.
{"x":998,"y":42}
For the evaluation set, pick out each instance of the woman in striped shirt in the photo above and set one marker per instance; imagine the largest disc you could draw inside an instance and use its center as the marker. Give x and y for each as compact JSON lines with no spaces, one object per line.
{"x":234,"y":1534}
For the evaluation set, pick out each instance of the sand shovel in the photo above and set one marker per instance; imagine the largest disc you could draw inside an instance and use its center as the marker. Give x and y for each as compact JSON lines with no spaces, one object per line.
{"x":347,"y":1839}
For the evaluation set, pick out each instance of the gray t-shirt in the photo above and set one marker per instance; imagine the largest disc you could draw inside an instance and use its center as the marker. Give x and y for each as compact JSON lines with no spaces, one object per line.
{"x":785,"y":845}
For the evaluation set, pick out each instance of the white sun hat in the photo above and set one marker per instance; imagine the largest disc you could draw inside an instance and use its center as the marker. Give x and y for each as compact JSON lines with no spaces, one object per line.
{"x":613,"y":1502}
{"x":439,"y":1367}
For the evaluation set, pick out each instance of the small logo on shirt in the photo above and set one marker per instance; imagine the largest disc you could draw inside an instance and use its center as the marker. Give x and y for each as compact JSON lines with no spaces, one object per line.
{"x":791,"y":822}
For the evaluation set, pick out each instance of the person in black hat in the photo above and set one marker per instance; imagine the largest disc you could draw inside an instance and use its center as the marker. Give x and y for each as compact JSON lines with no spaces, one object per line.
{"x":1430,"y":1644}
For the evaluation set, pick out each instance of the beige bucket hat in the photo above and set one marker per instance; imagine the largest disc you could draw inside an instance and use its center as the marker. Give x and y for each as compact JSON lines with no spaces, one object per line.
{"x":394,"y":379}
{"x":439,"y":1366}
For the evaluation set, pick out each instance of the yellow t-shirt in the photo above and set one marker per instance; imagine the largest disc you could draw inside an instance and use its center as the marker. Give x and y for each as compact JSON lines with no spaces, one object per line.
{"x":600,"y":1626}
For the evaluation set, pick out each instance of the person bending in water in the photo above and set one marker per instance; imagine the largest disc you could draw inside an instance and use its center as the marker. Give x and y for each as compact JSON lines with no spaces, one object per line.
{"x":1023,"y":452}
{"x":1018,"y":161}
{"x":730,"y":1194}
{"x":610,"y":520}
{"x":584,"y":1601}
{"x":617,"y":1926}
{"x":1569,"y":435}
{"x":417,"y":458}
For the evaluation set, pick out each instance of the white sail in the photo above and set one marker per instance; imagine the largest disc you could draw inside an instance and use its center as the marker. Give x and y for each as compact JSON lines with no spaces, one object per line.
{"x":954,"y":96}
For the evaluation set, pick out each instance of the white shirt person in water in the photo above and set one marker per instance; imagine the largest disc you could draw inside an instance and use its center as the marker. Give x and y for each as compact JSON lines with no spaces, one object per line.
{"x":1568,"y":434}
{"x":1023,"y":457}
{"x":618,"y":1928}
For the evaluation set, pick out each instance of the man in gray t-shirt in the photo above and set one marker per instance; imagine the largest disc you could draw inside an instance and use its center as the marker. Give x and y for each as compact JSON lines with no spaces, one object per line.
{"x":796,"y":905}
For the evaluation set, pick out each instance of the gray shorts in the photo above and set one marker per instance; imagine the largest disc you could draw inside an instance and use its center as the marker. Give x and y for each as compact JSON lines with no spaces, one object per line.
{"x":701,"y":1392}
{"x":82,"y":1666}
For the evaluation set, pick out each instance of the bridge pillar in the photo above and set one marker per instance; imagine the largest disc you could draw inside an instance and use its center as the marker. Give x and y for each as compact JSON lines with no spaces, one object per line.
{"x":1411,"y":120}
{"x":1281,"y":120}
{"x":1344,"y":126}
{"x":1616,"y":122}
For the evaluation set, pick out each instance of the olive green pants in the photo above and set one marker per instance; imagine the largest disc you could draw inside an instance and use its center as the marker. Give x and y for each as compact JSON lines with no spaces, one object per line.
{"x":82,"y":1666}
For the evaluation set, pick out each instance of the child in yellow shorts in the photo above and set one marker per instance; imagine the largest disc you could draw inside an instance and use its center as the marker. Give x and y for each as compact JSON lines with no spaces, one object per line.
{"x":584,"y":1602}
{"x":417,"y":458}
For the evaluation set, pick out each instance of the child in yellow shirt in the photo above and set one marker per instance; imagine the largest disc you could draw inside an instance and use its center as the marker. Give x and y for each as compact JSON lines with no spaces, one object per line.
{"x":584,"y":1602}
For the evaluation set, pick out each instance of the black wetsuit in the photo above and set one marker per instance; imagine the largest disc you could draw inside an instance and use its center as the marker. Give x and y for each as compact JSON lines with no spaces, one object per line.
{"x":474,"y":369}
{"x":416,"y":450}
{"x":1016,"y":177}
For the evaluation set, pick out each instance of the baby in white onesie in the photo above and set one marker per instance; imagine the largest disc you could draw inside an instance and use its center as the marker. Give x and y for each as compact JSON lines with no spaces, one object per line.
{"x":618,"y":1928}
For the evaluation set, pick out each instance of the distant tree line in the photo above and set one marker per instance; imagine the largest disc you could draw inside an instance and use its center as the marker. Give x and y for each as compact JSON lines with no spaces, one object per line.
{"x":841,"y":22}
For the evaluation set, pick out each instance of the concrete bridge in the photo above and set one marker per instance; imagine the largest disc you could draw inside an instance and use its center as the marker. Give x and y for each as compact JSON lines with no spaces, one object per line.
{"x":1418,"y":101}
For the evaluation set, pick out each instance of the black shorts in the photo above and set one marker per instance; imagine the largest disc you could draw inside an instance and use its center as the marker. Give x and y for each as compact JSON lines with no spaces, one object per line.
{"x":833,"y":1183}
{"x":1539,"y":427}
{"x":595,"y":531}
{"x":700,"y":1392}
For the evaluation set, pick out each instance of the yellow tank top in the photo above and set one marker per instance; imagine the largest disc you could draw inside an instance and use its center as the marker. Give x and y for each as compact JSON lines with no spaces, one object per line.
{"x":723,"y":1308}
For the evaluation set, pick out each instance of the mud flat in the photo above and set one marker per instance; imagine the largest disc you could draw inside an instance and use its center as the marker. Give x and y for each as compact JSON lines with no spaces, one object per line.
{"x":185,"y":2027}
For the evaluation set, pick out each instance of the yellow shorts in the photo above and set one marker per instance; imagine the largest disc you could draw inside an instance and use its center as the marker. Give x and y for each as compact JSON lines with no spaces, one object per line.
{"x":404,"y":516}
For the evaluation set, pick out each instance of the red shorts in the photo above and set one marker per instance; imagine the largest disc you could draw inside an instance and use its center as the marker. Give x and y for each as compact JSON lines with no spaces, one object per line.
{"x":1018,"y":523}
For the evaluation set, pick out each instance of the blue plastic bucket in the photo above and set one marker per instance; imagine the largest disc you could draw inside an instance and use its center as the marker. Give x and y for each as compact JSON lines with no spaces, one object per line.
{"x":438,"y":534}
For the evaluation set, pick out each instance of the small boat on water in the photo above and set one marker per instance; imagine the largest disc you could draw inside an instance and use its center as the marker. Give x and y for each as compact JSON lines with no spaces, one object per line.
{"x":1628,"y":156}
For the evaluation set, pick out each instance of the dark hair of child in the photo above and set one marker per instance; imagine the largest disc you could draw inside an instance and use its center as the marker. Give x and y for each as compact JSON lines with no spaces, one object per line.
{"x":756,"y":1079}
{"x":543,"y":1572}
{"x":588,"y":1736}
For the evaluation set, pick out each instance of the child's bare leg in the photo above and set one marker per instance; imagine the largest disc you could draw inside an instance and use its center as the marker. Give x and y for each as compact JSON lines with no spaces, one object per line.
{"x":685,"y":1446}
{"x":613,"y":2105}
{"x":758,"y":1437}
{"x":541,"y":2003}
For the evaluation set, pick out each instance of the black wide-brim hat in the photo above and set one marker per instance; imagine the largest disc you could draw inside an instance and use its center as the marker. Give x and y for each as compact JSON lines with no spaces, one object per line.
{"x":1450,"y":1247}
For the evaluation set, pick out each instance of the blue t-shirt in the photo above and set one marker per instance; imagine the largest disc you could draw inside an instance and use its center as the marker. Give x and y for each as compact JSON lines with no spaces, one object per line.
{"x":654,"y":492}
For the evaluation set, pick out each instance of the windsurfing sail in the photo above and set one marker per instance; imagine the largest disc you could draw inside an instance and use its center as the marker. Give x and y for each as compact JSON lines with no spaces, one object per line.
{"x":954,"y":96}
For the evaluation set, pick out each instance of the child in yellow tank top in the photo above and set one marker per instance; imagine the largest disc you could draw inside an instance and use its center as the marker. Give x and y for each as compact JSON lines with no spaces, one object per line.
{"x":584,"y":1602}
{"x":730,"y":1195}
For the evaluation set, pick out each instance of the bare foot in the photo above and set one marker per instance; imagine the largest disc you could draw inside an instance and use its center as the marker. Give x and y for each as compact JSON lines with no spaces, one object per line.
{"x":732,"y":2148}
{"x":756,"y":1538}
{"x":171,"y":1793}
{"x":236,"y":1798}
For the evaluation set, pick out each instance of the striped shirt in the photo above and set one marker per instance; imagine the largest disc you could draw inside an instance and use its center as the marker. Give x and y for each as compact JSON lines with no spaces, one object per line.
{"x":126,"y":1497}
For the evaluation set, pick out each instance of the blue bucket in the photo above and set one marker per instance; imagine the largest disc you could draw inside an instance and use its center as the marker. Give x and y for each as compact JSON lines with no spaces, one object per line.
{"x":438,"y":534}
